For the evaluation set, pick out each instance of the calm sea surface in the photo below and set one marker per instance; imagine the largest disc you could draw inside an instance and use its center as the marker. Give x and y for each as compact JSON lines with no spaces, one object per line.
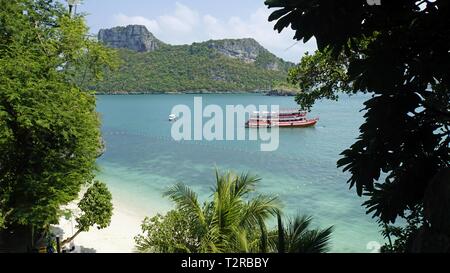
{"x":142,"y":160}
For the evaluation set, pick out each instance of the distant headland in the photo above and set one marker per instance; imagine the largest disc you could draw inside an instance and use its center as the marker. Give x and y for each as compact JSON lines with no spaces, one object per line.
{"x":215,"y":66}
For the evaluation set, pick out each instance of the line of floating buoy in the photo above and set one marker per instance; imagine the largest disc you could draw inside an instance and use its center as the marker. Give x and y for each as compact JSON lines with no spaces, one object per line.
{"x":197,"y":143}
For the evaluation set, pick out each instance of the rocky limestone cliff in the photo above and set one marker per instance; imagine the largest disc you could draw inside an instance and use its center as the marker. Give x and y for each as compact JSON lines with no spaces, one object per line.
{"x":246,"y":50}
{"x":249,"y":51}
{"x":133,"y":37}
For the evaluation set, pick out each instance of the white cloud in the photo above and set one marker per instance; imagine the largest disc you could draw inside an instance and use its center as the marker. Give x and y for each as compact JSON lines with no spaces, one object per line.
{"x":187,"y":15}
{"x":182,"y":20}
{"x":124,"y":20}
{"x":258,"y":27}
{"x":185,"y":25}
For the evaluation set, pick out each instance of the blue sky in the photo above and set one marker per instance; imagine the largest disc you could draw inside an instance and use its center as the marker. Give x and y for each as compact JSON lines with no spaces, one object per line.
{"x":188,"y":21}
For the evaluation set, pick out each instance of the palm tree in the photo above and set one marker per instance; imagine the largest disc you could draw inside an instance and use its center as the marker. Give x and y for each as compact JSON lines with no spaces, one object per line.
{"x":231,"y":222}
{"x":298,"y":237}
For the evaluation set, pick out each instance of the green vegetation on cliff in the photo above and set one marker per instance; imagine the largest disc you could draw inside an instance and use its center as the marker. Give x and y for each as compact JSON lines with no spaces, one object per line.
{"x":199,"y":67}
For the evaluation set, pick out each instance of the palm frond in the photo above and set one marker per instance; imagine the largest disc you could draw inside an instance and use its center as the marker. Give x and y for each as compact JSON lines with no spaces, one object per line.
{"x":264,"y":236}
{"x":300,"y":238}
{"x":281,"y":235}
{"x":295,"y":232}
{"x":242,"y":245}
{"x":260,"y":207}
{"x":245,"y":184}
{"x":226,"y":216}
{"x":215,"y":241}
{"x":187,"y":200}
{"x":317,"y":241}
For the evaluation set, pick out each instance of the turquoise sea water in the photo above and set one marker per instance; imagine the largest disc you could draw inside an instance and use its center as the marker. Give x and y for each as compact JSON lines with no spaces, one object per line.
{"x":142,"y":160}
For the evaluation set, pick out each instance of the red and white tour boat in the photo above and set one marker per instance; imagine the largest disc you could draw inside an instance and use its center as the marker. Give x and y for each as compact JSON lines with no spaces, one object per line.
{"x":284,"y":118}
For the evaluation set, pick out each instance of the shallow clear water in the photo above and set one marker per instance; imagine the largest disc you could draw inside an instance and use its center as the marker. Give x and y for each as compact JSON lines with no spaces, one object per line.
{"x":142,"y":160}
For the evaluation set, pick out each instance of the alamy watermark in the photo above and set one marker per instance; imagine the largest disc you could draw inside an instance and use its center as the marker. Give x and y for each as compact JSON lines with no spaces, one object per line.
{"x":224,"y":124}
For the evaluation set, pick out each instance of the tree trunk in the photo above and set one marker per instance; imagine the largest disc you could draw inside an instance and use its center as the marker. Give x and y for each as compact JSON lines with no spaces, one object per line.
{"x":281,"y":239}
{"x":68,"y":240}
{"x":32,"y":243}
{"x":264,"y":237}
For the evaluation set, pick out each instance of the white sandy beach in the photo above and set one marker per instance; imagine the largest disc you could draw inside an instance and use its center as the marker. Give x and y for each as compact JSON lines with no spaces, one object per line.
{"x":117,"y":238}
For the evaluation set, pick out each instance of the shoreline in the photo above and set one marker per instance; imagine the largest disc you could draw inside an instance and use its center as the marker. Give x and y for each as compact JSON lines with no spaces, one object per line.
{"x":117,"y":238}
{"x":180,"y":93}
{"x":263,"y":93}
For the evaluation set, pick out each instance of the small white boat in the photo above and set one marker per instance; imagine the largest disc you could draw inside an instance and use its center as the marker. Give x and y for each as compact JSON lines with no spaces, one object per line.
{"x":173,"y":117}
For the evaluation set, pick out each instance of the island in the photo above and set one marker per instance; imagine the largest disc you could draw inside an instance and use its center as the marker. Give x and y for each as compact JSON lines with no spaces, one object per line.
{"x":150,"y":66}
